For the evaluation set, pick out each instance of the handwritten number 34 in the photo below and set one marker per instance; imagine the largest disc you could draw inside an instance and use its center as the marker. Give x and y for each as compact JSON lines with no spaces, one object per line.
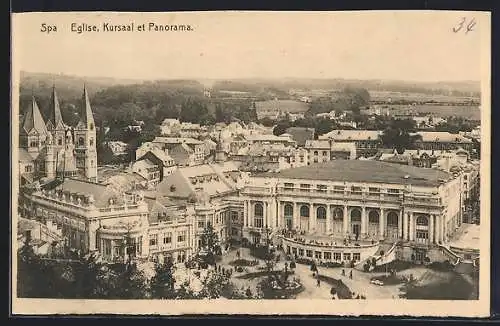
{"x":466,"y":25}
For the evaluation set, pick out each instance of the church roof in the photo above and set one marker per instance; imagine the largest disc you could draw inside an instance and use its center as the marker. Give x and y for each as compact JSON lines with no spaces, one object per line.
{"x":55,"y":116}
{"x":86,"y":115}
{"x":33,"y":120}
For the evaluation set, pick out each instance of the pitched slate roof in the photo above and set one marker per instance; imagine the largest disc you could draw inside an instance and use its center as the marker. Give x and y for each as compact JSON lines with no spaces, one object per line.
{"x":55,"y":116}
{"x":364,"y":171}
{"x":33,"y":120}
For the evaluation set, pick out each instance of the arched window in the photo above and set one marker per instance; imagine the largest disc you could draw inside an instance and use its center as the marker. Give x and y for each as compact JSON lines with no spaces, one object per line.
{"x":321,"y":213}
{"x":422,"y":220}
{"x":304,"y":211}
{"x":316,"y":153}
{"x":81,"y":141}
{"x":258,"y":210}
{"x":392,"y":219}
{"x":288,"y":210}
{"x":91,"y":141}
{"x":356,"y":215}
{"x":373,"y":217}
{"x":338,"y":214}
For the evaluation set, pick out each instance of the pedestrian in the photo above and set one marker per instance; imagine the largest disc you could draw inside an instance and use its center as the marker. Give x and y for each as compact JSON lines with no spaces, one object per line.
{"x":343,"y":272}
{"x":350,"y":275}
{"x":318,"y":281}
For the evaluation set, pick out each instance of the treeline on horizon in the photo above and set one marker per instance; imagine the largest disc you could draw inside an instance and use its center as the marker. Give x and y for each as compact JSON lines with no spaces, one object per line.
{"x":118,"y":105}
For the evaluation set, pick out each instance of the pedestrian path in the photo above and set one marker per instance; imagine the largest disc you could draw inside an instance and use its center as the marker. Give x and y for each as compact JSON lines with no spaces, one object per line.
{"x":311,"y":289}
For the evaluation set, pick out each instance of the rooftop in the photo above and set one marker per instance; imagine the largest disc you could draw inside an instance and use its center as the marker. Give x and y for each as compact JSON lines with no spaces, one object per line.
{"x":101,"y":193}
{"x":364,"y":171}
{"x":442,"y":136}
{"x":352,"y":135}
{"x":177,"y":140}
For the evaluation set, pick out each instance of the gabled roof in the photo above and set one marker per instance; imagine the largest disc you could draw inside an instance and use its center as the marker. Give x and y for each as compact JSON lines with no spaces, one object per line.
{"x":24,"y":156}
{"x":33,"y":120}
{"x":160,"y":155}
{"x":364,"y":171}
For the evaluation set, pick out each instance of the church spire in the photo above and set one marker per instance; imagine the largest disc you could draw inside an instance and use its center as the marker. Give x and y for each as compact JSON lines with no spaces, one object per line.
{"x":55,"y":116}
{"x":86,"y":115}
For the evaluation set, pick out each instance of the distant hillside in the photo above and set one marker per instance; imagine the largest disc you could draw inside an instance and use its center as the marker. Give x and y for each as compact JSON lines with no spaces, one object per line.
{"x":462,"y":88}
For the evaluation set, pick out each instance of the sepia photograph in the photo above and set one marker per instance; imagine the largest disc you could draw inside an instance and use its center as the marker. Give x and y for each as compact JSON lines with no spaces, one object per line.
{"x":307,"y":163}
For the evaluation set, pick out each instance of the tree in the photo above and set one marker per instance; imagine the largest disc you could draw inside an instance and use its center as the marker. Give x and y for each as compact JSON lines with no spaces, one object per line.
{"x":269,"y":255}
{"x":323,"y":126}
{"x":209,"y":238}
{"x":267,"y":122}
{"x":397,"y":135}
{"x":214,"y":285}
{"x":162,"y":283}
{"x":281,"y":127}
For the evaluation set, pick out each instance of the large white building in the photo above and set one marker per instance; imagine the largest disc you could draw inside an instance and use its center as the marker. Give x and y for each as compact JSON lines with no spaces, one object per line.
{"x":365,"y":201}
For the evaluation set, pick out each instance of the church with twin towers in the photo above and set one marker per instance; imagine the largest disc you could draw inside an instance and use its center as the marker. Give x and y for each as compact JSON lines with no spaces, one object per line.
{"x":50,"y":148}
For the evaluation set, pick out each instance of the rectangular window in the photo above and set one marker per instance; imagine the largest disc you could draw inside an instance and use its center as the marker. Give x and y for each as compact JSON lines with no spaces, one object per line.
{"x":309,"y":253}
{"x":321,"y":188}
{"x":393,"y":191}
{"x":356,"y":189}
{"x":337,"y":256}
{"x":289,"y":186}
{"x":373,"y":190}
{"x":356,"y":256}
{"x":347,"y":256}
{"x":153,"y":240}
{"x":181,"y":236}
{"x":317,"y":254}
{"x":304,"y":187}
{"x":167,"y":238}
{"x":327,"y":255}
{"x":301,"y":252}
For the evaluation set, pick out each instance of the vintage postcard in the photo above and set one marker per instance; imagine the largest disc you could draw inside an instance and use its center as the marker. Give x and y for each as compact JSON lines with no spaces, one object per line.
{"x":333,"y":163}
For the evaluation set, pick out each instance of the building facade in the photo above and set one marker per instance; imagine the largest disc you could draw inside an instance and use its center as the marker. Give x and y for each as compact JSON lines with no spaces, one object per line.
{"x":368,"y":201}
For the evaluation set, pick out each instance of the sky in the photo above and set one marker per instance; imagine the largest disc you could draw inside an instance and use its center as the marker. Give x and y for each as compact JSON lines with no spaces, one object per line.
{"x":359,"y":45}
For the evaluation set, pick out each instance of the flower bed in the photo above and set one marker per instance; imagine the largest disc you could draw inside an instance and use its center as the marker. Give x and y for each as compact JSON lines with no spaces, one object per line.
{"x":244,"y":262}
{"x":272,"y":289}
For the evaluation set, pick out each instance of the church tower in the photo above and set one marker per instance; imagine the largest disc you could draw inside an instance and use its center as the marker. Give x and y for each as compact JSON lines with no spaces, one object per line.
{"x":50,"y":160}
{"x":33,"y":132}
{"x":55,"y":123}
{"x":85,"y":140}
{"x":220,"y":154}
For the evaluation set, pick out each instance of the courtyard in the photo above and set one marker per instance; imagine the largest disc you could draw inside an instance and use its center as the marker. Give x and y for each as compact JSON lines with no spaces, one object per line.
{"x":409,"y":282}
